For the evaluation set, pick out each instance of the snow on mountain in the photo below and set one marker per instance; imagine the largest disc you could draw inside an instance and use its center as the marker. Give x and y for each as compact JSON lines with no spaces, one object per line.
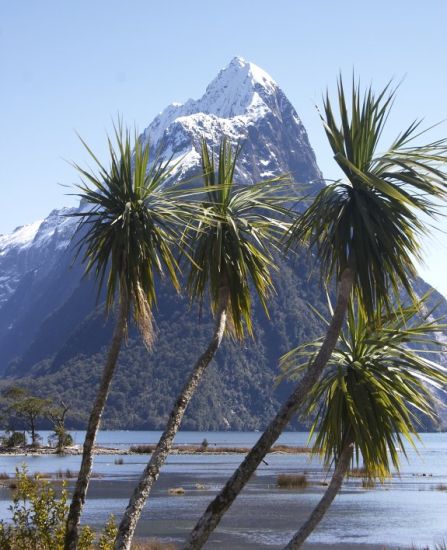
{"x":245,"y":104}
{"x":241,"y":89}
{"x":58,"y":225}
{"x":57,"y":228}
{"x":21,"y":236}
{"x":33,"y":247}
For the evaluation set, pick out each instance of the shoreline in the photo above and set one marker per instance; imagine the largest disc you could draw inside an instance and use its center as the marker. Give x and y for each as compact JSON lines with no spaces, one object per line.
{"x":148,"y":449}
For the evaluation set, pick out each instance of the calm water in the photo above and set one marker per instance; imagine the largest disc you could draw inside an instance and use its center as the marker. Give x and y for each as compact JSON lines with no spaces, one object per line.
{"x":407,"y":510}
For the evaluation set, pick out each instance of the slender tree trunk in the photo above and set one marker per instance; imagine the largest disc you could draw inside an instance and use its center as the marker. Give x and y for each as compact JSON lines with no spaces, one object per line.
{"x":33,"y":431}
{"x":213,"y":514}
{"x":78,"y":499}
{"x":322,"y":507}
{"x":151,"y":472}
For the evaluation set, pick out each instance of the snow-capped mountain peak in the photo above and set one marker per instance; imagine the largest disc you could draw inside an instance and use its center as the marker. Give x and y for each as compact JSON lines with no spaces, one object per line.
{"x":238,"y":89}
{"x":247,"y":106}
{"x":241,"y":93}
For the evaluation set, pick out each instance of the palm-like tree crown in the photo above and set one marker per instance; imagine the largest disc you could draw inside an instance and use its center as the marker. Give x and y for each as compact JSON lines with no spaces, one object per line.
{"x":237,"y":228}
{"x":374,"y":385}
{"x":371,"y":221}
{"x":127,"y":231}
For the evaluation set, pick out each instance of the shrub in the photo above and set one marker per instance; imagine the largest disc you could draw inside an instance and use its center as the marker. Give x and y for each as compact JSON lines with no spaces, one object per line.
{"x":16,"y":439}
{"x":39,"y":517}
{"x":60,"y":439}
{"x":142,"y":449}
{"x":107,"y":538}
{"x":176,"y":491}
{"x":292,"y":481}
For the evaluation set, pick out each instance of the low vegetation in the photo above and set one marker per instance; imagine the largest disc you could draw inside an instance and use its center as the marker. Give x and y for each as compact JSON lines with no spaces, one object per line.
{"x":368,"y":483}
{"x":292,"y":481}
{"x":59,"y":475}
{"x":39,"y":512}
{"x":14,"y":439}
{"x":142,"y":449}
{"x":66,"y":474}
{"x":212,"y":449}
{"x":152,"y":544}
{"x":178,"y":491}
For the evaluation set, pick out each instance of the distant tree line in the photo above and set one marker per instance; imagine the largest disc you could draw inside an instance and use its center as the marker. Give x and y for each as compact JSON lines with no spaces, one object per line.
{"x":23,"y":413}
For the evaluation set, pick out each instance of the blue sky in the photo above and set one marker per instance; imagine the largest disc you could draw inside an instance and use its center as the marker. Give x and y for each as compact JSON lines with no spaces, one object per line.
{"x":70,"y":67}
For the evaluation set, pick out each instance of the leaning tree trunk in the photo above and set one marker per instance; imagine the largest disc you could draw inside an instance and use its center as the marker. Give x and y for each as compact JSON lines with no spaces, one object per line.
{"x":213,"y":514}
{"x":78,"y":499}
{"x":151,"y":472}
{"x":322,"y":507}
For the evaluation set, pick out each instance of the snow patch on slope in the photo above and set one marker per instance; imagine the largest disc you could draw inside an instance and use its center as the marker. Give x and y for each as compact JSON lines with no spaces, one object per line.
{"x":21,"y":237}
{"x":59,"y":226}
{"x":34,"y":248}
{"x":240,"y":90}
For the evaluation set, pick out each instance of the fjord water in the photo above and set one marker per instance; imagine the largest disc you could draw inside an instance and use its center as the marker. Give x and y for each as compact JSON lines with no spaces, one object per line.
{"x":408,"y":509}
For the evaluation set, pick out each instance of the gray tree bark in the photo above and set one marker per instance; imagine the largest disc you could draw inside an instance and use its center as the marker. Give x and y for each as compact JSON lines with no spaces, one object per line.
{"x":78,"y":499}
{"x":213,"y":514}
{"x":322,"y":507}
{"x":141,"y":493}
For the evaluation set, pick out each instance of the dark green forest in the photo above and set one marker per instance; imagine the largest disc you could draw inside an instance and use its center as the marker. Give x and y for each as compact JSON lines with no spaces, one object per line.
{"x":238,"y":390}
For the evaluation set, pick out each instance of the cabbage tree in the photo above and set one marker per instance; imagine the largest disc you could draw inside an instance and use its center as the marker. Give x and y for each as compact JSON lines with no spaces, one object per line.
{"x":368,"y":403}
{"x":128,"y":225}
{"x":232,"y":234}
{"x":365,"y":230}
